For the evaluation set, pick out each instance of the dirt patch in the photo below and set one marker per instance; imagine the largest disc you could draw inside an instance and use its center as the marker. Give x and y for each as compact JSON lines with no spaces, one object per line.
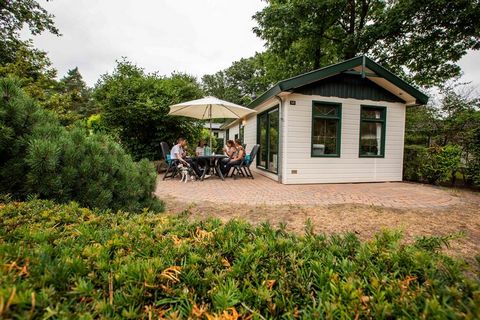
{"x":363,"y":220}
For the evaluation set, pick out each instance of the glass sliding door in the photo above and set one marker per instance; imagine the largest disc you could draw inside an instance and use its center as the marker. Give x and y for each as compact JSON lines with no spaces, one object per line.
{"x":267,"y":137}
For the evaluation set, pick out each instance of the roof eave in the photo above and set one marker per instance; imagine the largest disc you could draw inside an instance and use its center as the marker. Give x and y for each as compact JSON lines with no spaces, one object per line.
{"x":420,"y":97}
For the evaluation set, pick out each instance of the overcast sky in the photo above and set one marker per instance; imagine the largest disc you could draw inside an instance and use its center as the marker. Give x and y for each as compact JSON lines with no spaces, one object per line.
{"x":193,"y":36}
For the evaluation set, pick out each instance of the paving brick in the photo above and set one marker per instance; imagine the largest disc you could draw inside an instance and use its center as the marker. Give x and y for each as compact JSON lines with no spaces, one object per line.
{"x":265,"y":191}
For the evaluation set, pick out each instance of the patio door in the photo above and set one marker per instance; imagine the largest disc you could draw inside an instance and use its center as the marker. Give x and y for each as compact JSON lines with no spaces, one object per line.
{"x":267,"y":137}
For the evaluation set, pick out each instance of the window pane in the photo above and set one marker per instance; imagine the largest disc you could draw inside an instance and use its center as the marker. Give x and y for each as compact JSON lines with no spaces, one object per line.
{"x":325,"y":110}
{"x":273,"y":143}
{"x":371,"y":139}
{"x":370,"y":113}
{"x":324,"y":140}
{"x":262,"y":155}
{"x":242,"y":133}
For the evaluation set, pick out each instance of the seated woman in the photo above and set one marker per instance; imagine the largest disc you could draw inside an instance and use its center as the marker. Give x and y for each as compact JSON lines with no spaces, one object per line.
{"x":200,"y":151}
{"x":236,"y":159}
{"x":230,"y":149}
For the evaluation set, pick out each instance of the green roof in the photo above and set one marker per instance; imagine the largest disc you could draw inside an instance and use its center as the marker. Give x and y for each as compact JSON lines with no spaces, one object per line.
{"x":322,"y":73}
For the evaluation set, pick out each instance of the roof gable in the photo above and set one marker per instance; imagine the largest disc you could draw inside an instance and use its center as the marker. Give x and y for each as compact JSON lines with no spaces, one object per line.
{"x":363,"y":67}
{"x":345,"y":85}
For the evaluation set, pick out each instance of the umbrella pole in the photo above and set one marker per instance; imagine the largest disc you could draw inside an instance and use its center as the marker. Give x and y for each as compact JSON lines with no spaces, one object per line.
{"x":210,"y":127}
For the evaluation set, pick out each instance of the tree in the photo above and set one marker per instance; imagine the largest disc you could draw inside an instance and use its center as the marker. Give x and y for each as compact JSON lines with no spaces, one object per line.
{"x":14,"y":16}
{"x":246,"y":78}
{"x":71,"y":100}
{"x":34,"y":69}
{"x":425,"y":38}
{"x":453,"y":121}
{"x":135,"y":105}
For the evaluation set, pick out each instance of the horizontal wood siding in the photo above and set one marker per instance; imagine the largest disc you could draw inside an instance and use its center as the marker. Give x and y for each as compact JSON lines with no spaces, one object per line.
{"x":349,"y":167}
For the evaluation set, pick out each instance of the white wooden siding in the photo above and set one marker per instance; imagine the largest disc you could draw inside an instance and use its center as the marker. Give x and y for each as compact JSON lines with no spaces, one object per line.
{"x":349,"y":167}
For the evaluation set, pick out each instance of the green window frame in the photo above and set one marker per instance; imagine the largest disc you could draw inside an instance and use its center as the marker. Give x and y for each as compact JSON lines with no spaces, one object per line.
{"x":241,"y":132}
{"x":372,"y":117}
{"x":325,"y":114}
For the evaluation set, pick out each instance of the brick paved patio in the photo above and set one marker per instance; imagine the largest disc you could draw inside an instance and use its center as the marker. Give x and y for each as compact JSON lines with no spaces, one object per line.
{"x":265,"y":191}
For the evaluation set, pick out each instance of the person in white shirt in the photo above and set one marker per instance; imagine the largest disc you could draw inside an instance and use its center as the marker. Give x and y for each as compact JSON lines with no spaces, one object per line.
{"x":179,"y":155}
{"x":200,"y":151}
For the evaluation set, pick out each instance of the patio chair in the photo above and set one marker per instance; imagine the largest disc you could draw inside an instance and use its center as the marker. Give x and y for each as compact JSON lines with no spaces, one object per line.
{"x":171,"y":166}
{"x":243,"y":169}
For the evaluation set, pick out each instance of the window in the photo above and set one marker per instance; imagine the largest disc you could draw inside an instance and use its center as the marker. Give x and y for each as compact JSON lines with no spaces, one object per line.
{"x":326,"y":126}
{"x":372,"y":131}
{"x":241,"y":130}
{"x":267,"y":138}
{"x":227,"y":135}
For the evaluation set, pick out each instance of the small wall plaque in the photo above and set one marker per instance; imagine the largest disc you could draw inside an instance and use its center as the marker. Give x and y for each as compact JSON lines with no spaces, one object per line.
{"x":293,"y":102}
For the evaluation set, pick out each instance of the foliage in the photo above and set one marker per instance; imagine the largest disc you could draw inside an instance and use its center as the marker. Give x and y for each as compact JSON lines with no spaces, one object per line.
{"x":440,"y":162}
{"x":63,"y":261}
{"x":423,"y":125}
{"x":95,"y":124}
{"x":247,"y":78}
{"x":39,"y":156}
{"x":14,"y":16}
{"x":35,"y":71}
{"x":413,"y":157}
{"x":433,"y":165}
{"x":455,"y":119}
{"x":427,"y":38}
{"x":473,"y":168}
{"x":71,"y":100}
{"x":135,"y":105}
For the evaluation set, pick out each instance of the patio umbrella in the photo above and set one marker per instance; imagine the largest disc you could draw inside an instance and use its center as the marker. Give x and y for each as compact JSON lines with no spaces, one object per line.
{"x":209,"y":108}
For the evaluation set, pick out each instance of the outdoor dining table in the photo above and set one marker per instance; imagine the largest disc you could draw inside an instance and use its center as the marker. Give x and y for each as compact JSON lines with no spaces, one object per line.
{"x":212,"y":161}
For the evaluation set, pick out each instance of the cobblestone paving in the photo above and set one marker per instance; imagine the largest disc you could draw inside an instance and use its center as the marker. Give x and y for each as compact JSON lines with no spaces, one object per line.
{"x":263,"y":191}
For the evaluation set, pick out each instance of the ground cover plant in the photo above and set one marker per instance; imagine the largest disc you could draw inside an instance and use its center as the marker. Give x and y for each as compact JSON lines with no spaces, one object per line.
{"x":63,"y":261}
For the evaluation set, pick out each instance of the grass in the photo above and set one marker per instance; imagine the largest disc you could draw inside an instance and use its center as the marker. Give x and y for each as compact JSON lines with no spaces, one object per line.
{"x":63,"y":261}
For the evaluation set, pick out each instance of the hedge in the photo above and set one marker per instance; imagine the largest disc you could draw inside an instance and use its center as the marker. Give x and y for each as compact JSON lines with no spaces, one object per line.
{"x":64,"y":261}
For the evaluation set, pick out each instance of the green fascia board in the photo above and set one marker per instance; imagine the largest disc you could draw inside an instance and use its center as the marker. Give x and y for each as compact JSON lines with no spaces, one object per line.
{"x":319,"y":74}
{"x":273,"y":91}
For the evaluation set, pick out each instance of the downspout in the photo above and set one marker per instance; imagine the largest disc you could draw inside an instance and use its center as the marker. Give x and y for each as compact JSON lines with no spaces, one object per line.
{"x":280,"y":139}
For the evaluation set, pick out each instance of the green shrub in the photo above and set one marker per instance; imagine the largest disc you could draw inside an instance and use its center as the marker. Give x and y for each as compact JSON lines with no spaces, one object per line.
{"x":95,"y":124}
{"x":473,"y":165}
{"x":440,"y":162}
{"x":39,"y":156}
{"x":62,"y":261}
{"x":433,"y":165}
{"x":412,"y":160}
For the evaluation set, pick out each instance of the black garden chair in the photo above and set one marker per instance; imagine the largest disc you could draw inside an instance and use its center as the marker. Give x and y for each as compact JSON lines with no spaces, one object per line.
{"x":172,"y":169}
{"x":243,"y":169}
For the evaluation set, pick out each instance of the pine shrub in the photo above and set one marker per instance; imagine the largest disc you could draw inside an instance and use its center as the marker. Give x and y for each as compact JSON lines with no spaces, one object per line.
{"x":41,"y":157}
{"x":63,"y":261}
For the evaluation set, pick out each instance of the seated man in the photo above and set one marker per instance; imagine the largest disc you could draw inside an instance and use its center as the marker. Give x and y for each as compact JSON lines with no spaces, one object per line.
{"x":178,"y":155}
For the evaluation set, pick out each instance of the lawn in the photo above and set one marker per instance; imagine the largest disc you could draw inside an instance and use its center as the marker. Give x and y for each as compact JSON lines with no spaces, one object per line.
{"x":64,"y":261}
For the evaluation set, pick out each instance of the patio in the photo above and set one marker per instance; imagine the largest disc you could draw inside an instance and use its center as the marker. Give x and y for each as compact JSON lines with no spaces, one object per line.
{"x":263,"y":191}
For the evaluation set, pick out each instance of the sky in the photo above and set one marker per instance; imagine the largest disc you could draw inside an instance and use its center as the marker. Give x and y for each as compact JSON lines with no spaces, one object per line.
{"x":193,"y":36}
